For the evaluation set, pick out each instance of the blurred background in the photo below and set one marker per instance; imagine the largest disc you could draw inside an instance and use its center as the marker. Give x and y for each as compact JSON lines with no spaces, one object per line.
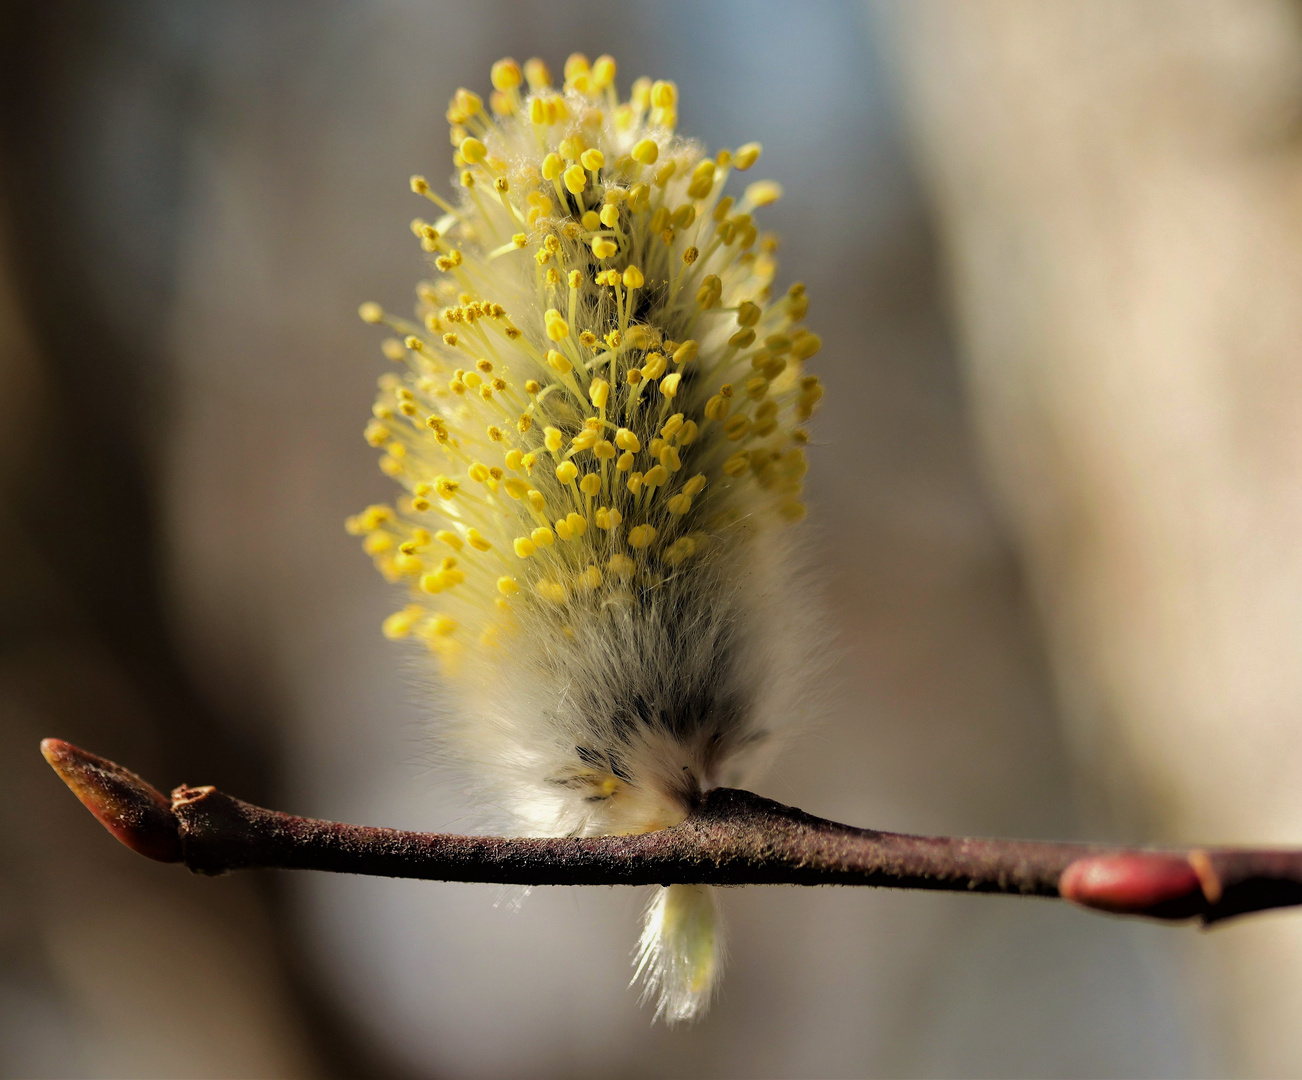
{"x":1055,"y":254}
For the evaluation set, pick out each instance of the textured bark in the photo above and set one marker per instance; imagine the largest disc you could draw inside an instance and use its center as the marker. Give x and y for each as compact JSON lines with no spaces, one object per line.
{"x":732,"y":838}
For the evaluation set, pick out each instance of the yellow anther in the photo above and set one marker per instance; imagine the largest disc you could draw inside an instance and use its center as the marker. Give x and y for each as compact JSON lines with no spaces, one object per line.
{"x":748,"y":314}
{"x":558,"y":362}
{"x":419,"y":185}
{"x":553,"y":439}
{"x":633,"y":278}
{"x":743,"y":339}
{"x":409,"y":565}
{"x":515,"y":487}
{"x":736,"y":427}
{"x":538,"y":112}
{"x":737,"y":464}
{"x":669,"y":384}
{"x":607,"y":518}
{"x":552,"y":164}
{"x":792,"y":511}
{"x":467,"y":103}
{"x":680,"y":549}
{"x":763,"y":193}
{"x":665,"y":173}
{"x":806,"y":345}
{"x":592,"y":160}
{"x":625,"y":461}
{"x":532,"y":387}
{"x":603,"y":247}
{"x":672,"y":426}
{"x":431,"y":583}
{"x":524,"y":547}
{"x":584,"y":440}
{"x":604,"y":450}
{"x":621,"y":566}
{"x":393,"y":349}
{"x":446,"y":487}
{"x":717,"y":408}
{"x":641,"y":536}
{"x":710,"y":292}
{"x":626,"y":440}
{"x":536,"y":501}
{"x":400,"y":623}
{"x":591,"y":221}
{"x":576,"y":64}
{"x":694,"y":486}
{"x":654,"y":365}
{"x":543,"y":536}
{"x":679,"y":504}
{"x":371,"y":312}
{"x":376,"y":433}
{"x":576,"y":179}
{"x":646,"y":152}
{"x":687,"y":435}
{"x":599,"y":392}
{"x":473,"y":151}
{"x":377,"y":543}
{"x":506,"y":75}
{"x":691,"y":255}
{"x":477,"y":540}
{"x":590,"y":484}
{"x":479,"y":472}
{"x":747,"y":155}
{"x":537,"y":74}
{"x":507,"y":586}
{"x":664,"y":95}
{"x":657,"y":476}
{"x":609,"y":215}
{"x":590,"y":578}
{"x":639,"y":94}
{"x":757,"y":387}
{"x":702,"y":182}
{"x":552,"y":591}
{"x":639,"y":196}
{"x":566,"y":471}
{"x":557,"y":328}
{"x":563,"y":529}
{"x":669,"y":458}
{"x":447,"y":536}
{"x":467,"y":180}
{"x":722,"y":207}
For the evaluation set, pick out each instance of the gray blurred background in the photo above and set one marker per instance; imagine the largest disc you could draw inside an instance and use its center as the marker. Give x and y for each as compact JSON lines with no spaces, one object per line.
{"x":1055,"y":253}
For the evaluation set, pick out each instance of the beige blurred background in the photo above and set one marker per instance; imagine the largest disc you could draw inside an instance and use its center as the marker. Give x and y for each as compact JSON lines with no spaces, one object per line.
{"x":1055,"y":253}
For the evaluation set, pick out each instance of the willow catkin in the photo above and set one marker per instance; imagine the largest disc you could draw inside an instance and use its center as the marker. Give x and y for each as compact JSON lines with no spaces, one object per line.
{"x":597,"y":424}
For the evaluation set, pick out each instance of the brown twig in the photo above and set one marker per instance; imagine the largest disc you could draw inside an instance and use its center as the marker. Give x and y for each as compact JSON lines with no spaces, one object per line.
{"x":732,"y":838}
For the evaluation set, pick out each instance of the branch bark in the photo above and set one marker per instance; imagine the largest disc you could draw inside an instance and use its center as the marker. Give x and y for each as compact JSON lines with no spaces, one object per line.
{"x":732,"y":838}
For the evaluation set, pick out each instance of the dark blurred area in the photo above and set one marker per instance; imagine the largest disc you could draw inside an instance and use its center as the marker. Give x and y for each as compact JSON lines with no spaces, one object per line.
{"x":195,"y":197}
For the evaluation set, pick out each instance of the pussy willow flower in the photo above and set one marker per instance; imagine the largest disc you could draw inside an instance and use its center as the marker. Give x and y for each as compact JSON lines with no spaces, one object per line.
{"x":596,"y":422}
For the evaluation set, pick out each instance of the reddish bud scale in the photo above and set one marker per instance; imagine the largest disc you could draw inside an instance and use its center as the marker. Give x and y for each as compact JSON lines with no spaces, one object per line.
{"x":1128,"y":884}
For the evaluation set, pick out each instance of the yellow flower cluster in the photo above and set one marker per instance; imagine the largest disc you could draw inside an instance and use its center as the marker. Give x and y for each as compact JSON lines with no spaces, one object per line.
{"x":598,"y":388}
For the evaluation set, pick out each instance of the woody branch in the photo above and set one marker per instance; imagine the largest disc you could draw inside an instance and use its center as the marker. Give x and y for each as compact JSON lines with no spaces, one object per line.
{"x":732,"y":838}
